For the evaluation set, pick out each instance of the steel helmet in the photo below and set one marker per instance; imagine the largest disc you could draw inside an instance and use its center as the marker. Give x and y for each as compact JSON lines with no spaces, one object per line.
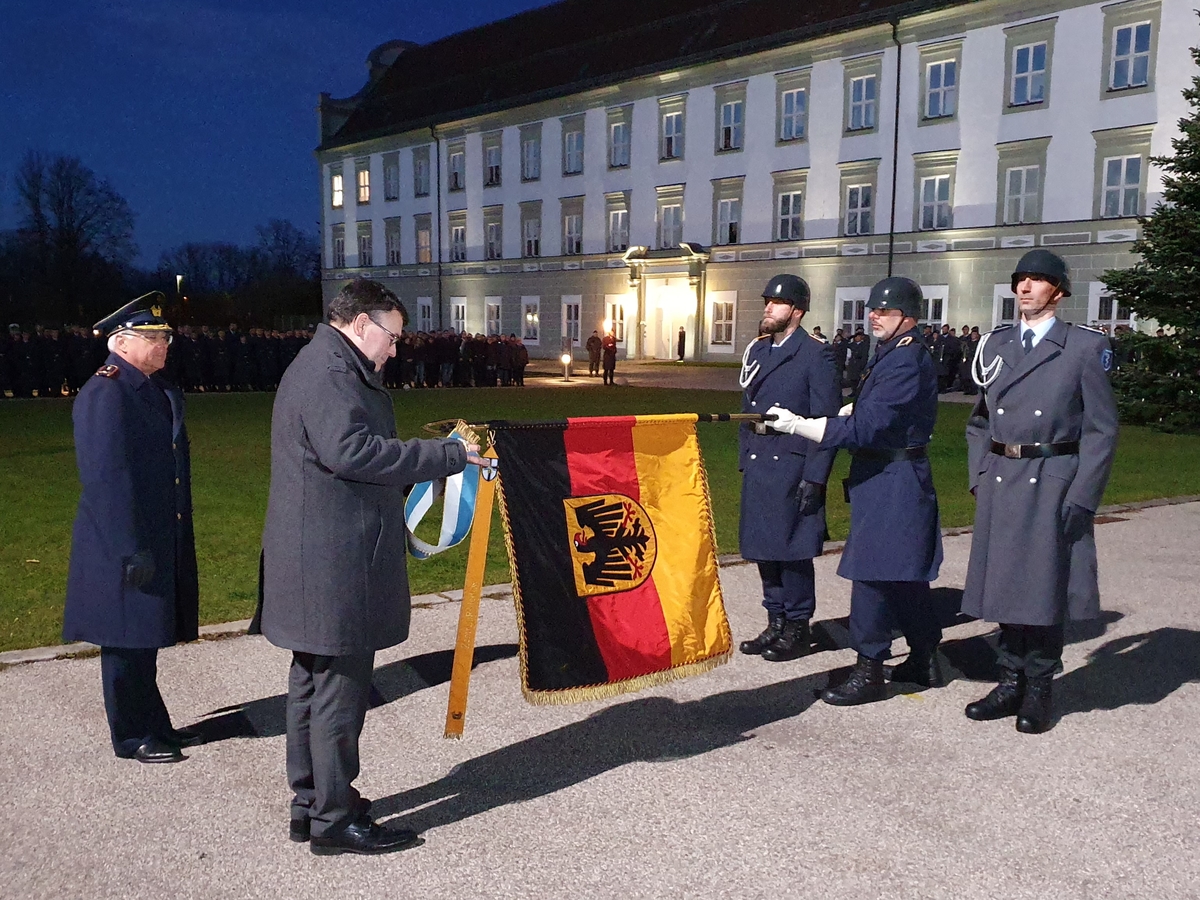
{"x":898,"y":292}
{"x":1049,"y":265}
{"x":788,"y":289}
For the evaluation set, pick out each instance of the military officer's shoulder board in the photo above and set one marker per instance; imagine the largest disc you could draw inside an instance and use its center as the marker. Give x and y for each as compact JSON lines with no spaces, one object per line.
{"x":108,"y":371}
{"x":815,"y":337}
{"x":905,"y":341}
{"x":1090,"y":328}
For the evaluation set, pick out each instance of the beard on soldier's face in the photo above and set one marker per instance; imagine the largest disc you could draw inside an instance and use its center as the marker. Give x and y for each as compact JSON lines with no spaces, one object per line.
{"x":770,"y":325}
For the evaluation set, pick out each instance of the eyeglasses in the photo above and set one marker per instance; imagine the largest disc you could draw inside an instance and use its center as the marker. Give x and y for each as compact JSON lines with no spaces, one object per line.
{"x":154,"y":337}
{"x":395,"y":337}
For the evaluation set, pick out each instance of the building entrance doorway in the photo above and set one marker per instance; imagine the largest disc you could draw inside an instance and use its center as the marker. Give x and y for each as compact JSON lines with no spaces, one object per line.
{"x":670,"y":305}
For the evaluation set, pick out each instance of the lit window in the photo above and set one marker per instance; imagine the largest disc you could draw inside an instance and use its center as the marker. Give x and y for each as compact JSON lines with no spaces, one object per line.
{"x":364,"y":186}
{"x":732,"y":125}
{"x":531,"y":320}
{"x":729,"y":212}
{"x":618,"y":145}
{"x":1029,"y":74}
{"x":858,"y":209}
{"x":1021,"y":185}
{"x":424,"y":243}
{"x":1131,"y":56}
{"x":793,"y":107}
{"x":616,"y":315}
{"x":862,"y":103}
{"x":335,"y":185}
{"x":672,"y":143}
{"x":790,"y":217}
{"x":1122,"y":187}
{"x":935,"y":202}
{"x":941,"y":89}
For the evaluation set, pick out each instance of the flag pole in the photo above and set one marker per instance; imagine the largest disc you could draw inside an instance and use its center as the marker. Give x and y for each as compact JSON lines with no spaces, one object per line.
{"x":445,"y":426}
{"x":468,"y":615}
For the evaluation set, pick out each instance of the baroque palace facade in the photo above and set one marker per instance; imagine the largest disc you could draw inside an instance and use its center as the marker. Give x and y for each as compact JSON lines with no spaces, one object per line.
{"x":646,"y":166}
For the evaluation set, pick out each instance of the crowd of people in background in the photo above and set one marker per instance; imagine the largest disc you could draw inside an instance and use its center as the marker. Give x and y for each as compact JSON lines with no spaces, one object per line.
{"x":53,"y":362}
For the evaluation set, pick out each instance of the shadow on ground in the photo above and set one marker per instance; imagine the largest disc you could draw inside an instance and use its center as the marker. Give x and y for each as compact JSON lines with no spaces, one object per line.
{"x":266,"y":717}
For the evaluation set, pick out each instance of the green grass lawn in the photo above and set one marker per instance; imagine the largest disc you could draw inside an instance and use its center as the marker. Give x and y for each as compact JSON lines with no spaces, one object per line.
{"x":231,"y":460}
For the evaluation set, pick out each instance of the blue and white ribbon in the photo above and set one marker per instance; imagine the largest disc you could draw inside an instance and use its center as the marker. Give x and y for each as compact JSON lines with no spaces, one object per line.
{"x":458,"y":509}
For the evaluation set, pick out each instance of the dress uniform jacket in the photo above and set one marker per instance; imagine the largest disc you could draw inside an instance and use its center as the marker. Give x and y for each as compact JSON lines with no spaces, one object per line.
{"x":132,"y":449}
{"x":800,"y":376}
{"x":1022,"y":571}
{"x":335,"y":579}
{"x":894,"y":529}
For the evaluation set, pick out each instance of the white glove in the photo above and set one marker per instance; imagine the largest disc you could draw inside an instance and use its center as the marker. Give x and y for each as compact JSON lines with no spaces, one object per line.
{"x":846,"y":410}
{"x":788,"y":422}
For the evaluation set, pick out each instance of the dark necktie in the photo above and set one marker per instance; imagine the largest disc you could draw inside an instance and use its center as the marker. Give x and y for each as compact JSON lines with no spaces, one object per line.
{"x":1028,"y":339}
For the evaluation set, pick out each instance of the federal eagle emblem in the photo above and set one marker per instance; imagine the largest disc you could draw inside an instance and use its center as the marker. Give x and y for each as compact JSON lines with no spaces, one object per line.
{"x":612,"y":543}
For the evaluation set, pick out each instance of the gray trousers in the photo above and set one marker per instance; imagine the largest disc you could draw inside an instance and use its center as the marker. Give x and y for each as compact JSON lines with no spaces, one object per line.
{"x":326,"y":707}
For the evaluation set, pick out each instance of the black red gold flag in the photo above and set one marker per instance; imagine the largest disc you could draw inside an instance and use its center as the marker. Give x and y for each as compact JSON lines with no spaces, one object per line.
{"x":610,"y":535}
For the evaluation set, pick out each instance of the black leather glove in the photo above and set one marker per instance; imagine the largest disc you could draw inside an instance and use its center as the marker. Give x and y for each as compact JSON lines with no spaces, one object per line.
{"x":812,"y":497}
{"x":1076,"y":521}
{"x":138,"y":570}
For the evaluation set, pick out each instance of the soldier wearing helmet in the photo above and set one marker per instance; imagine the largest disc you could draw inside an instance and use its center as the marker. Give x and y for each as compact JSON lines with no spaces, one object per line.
{"x":1041,"y":442}
{"x":782,"y":524}
{"x":895,"y":545}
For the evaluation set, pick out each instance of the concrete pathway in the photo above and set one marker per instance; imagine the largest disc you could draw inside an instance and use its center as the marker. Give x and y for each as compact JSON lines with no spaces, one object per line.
{"x":737,"y":783}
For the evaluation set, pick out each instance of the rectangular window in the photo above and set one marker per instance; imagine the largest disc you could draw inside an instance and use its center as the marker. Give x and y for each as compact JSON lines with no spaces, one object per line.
{"x":421,"y":172}
{"x":572,"y":234}
{"x":732,"y":125}
{"x":391,"y":238}
{"x":530,"y":318}
{"x":672,"y":136}
{"x":941,"y":89}
{"x":458,"y":314}
{"x":616,"y":320}
{"x":852,"y":314}
{"x":1130,"y":56}
{"x":424,"y":238}
{"x":531,"y":235}
{"x":492,"y":315}
{"x":862,"y":103}
{"x":491,"y":159}
{"x":425,"y":314}
{"x":362,"y":175}
{"x":391,"y":176}
{"x":458,"y":171}
{"x":935,"y":202}
{"x":1029,"y":74}
{"x":793,"y":113}
{"x":366,"y":255}
{"x":729,"y":214}
{"x":791,"y":218}
{"x":618,"y":230}
{"x":495,"y":242}
{"x":670,"y":226}
{"x":859,"y":204}
{"x":570,"y":320}
{"x":722,"y":322}
{"x":337,"y":199}
{"x":1021,"y":187}
{"x":531,"y":157}
{"x":338,"y":254}
{"x":573,"y":153}
{"x":458,"y":243}
{"x":1122,"y":187}
{"x":618,"y":145}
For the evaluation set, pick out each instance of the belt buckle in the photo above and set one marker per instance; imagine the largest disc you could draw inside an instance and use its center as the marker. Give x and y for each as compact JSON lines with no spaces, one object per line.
{"x":1012,"y":451}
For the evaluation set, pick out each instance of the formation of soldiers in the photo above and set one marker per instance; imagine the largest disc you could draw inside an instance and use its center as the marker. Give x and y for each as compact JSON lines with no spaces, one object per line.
{"x":951,"y":351}
{"x":52,"y":362}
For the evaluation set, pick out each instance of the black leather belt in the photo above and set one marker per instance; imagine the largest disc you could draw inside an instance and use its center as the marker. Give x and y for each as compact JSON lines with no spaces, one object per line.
{"x":1035,"y":451}
{"x":891,"y":455}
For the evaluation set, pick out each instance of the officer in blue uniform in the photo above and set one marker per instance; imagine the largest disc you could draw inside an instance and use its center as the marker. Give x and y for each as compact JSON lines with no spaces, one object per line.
{"x":895,"y":544}
{"x":782,"y":524}
{"x":132,"y":583}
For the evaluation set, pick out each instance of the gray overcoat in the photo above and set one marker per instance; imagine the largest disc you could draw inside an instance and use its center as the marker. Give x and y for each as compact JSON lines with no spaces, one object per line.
{"x":1022,"y":570}
{"x":335,"y":580}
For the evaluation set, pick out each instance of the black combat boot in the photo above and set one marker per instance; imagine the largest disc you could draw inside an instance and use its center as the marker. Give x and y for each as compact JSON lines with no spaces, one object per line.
{"x":922,"y":667}
{"x":1004,"y":699}
{"x":793,"y":642}
{"x":775,"y":623}
{"x":1034,"y":715}
{"x":865,"y":685}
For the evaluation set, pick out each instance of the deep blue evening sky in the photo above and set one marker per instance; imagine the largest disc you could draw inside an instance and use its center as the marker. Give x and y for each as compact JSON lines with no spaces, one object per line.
{"x":201,"y":112}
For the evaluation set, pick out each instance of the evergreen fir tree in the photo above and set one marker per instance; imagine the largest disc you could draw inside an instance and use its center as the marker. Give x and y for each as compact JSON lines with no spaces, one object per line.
{"x":1158,"y":380}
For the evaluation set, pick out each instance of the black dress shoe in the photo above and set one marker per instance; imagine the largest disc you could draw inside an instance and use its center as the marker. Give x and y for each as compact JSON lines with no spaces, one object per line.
{"x":865,"y":685}
{"x":793,"y":642}
{"x":156,"y":751}
{"x":364,"y":837}
{"x":775,"y":623}
{"x":1034,"y":715}
{"x":922,"y":668}
{"x":300,"y":828}
{"x":1002,"y":701}
{"x":182,"y":737}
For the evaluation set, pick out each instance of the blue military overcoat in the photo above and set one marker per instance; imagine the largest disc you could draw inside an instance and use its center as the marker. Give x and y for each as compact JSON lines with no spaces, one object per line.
{"x":801,"y":375}
{"x":894,"y":530}
{"x":132,"y":449}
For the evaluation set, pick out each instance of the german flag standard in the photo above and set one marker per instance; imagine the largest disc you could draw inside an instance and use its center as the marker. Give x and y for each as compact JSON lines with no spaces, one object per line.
{"x":610,"y":535}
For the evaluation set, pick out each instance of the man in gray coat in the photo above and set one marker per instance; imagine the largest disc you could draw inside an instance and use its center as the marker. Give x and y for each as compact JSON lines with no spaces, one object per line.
{"x":335,"y":583}
{"x":1041,"y":442}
